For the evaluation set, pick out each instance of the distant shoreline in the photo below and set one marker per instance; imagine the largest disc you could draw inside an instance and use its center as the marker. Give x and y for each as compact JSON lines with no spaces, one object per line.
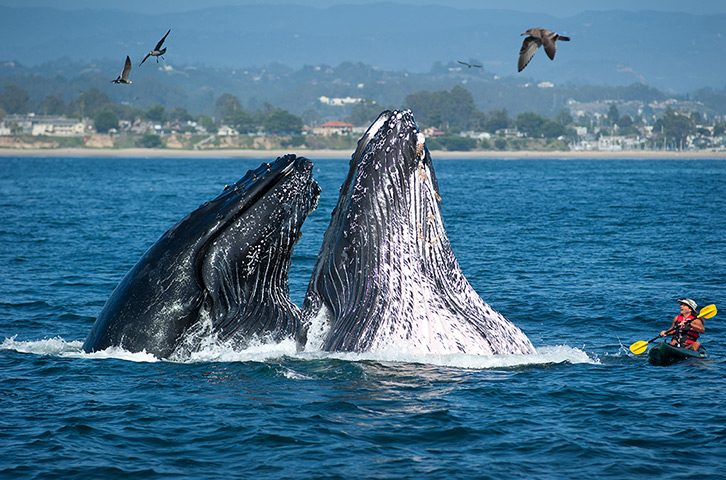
{"x":312,"y":154}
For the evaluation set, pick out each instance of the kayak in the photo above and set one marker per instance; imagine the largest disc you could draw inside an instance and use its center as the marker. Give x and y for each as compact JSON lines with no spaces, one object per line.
{"x":666,"y":354}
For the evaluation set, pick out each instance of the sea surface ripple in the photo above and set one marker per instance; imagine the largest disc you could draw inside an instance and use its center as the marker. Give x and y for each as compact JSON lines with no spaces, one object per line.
{"x":586,"y":256}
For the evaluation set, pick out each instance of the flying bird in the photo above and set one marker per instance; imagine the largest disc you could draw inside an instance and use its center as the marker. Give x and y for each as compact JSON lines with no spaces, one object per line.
{"x":124,"y":77}
{"x":469,"y":64}
{"x":536,"y":38}
{"x":157,"y":51}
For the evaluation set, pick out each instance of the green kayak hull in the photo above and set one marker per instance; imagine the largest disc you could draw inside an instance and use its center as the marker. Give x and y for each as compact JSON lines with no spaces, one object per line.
{"x":665,"y":354}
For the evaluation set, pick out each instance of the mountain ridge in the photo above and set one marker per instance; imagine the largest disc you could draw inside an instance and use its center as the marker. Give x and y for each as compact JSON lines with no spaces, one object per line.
{"x":670,"y":51}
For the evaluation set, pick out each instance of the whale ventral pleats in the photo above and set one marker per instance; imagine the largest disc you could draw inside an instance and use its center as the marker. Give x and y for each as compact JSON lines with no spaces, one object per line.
{"x":386,"y":277}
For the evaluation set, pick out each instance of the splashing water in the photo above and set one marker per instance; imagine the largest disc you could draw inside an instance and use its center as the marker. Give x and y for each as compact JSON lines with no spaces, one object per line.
{"x":270,"y":352}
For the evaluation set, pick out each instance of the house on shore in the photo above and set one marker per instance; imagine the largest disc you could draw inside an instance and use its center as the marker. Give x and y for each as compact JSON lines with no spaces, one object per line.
{"x":335,"y":126}
{"x":49,"y":125}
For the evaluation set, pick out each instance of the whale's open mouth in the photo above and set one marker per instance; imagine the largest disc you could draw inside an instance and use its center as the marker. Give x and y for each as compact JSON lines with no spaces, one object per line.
{"x":225,"y":264}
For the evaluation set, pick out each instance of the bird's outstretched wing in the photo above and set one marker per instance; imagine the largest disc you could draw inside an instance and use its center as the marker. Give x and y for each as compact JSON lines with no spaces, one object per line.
{"x":161,"y":42}
{"x":127,"y":69}
{"x":147,"y":56}
{"x":529,"y":47}
{"x":469,"y":64}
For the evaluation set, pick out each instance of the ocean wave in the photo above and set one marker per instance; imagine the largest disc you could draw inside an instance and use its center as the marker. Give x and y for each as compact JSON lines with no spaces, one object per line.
{"x":271,"y":352}
{"x":57,"y":346}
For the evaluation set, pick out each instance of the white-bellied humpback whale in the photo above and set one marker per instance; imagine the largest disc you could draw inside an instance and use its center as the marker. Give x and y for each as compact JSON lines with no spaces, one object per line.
{"x":386,"y":277}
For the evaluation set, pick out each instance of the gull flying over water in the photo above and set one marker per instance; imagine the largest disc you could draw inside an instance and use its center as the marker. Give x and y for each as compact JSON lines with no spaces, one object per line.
{"x":469,"y":64}
{"x":157,"y":51}
{"x":124,"y":77}
{"x":536,"y":38}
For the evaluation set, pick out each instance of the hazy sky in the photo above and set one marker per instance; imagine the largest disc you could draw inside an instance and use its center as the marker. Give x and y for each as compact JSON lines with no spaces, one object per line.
{"x":562,"y":8}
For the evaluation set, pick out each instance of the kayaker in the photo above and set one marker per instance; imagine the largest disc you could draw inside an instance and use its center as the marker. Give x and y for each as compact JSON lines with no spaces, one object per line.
{"x":686,"y":327}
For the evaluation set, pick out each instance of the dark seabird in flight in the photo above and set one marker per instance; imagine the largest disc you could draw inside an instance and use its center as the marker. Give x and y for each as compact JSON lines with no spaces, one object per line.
{"x":469,"y":64}
{"x":157,"y":51}
{"x":124,"y":77}
{"x":536,"y":38}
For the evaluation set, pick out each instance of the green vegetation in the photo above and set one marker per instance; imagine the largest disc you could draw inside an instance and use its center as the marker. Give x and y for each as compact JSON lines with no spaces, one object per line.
{"x":450,"y":119}
{"x":454,"y":109}
{"x":280,"y":122}
{"x":332,"y":142}
{"x":106,"y":120}
{"x":365,"y":112}
{"x":536,"y":126}
{"x":149,"y":140}
{"x":675,"y":127}
{"x":453,"y":143}
{"x":69,"y":142}
{"x":14,"y":100}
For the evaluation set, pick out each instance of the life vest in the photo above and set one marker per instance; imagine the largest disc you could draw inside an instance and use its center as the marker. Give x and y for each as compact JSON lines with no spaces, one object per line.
{"x":685,"y":334}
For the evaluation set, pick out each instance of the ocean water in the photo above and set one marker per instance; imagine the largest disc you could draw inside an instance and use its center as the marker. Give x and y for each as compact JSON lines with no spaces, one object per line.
{"x":586,"y":256}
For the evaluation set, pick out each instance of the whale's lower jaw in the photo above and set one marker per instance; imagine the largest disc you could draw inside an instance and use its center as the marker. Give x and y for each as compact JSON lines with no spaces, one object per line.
{"x":386,"y":277}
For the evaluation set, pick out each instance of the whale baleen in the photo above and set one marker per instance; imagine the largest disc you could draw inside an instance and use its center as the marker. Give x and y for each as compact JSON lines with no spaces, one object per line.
{"x":220,"y":271}
{"x":386,"y":278}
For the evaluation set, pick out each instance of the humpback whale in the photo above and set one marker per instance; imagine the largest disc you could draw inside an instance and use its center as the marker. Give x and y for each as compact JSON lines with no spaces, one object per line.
{"x":386,"y":277}
{"x":221,"y":271}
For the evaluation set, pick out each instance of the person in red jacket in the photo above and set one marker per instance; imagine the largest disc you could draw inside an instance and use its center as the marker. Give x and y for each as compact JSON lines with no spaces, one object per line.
{"x":686,"y":327}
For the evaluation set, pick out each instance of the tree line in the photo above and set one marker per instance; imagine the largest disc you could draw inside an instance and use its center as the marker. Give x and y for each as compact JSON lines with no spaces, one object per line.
{"x":107,"y":114}
{"x":452,"y":111}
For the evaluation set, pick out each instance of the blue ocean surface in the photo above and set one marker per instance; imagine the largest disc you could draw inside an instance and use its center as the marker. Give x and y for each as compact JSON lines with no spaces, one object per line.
{"x":585,"y":256}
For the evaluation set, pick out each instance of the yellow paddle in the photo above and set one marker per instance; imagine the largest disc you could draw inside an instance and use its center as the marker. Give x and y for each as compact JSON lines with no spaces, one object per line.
{"x":639,"y":347}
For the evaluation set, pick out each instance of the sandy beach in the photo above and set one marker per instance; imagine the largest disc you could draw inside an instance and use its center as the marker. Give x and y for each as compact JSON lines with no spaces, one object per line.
{"x":228,"y":153}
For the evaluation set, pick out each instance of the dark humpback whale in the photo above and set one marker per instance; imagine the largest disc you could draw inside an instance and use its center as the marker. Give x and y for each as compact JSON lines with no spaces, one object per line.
{"x":386,"y":277}
{"x":221,"y":271}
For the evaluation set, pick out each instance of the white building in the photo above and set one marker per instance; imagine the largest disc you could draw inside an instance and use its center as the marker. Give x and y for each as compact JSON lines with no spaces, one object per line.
{"x":227,"y":131}
{"x":49,"y":125}
{"x":334,"y":126}
{"x":338,"y":102}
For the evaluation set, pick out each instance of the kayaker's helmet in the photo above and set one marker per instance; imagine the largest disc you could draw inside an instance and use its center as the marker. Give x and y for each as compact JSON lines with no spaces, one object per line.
{"x":690,"y":303}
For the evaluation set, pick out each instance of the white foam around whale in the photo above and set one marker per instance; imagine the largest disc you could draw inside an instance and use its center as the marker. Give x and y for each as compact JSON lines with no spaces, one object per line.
{"x":276,"y":352}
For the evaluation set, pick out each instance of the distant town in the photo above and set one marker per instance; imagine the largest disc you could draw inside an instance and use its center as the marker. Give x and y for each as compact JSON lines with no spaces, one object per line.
{"x":448,"y":118}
